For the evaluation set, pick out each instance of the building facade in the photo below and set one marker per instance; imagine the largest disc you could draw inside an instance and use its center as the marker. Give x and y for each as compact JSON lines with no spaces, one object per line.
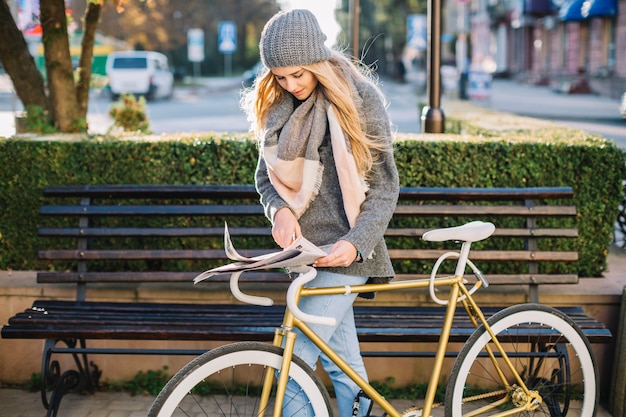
{"x":574,"y":46}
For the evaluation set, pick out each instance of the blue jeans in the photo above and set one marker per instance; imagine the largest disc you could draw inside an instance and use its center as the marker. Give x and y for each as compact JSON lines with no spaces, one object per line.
{"x":342,"y":338}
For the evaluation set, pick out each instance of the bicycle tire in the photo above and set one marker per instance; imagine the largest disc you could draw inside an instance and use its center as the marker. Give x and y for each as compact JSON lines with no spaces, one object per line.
{"x":233,"y":374}
{"x":561,"y":367}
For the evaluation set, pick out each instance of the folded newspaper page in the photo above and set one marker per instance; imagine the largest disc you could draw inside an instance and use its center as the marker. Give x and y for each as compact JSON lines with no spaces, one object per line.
{"x":300,"y":253}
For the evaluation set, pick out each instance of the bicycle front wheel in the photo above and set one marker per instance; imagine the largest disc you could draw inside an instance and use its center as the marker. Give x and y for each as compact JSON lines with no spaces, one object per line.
{"x":547,"y":349}
{"x":227,"y":381}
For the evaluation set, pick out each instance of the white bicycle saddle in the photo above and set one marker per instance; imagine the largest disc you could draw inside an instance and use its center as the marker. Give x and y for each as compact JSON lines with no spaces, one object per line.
{"x":469,"y":232}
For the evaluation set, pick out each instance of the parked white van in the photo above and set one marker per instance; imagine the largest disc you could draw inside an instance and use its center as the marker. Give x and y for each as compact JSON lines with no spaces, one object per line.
{"x":142,"y":73}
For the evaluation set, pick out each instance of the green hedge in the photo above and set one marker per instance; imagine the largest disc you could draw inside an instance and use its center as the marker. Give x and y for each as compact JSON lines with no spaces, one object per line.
{"x":545,"y":157}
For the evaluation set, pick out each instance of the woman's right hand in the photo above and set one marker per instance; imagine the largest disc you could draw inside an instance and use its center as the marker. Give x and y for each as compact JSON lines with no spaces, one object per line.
{"x":286,"y":228}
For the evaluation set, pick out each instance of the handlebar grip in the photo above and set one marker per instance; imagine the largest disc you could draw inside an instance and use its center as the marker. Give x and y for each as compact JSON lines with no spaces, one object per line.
{"x":292,"y":292}
{"x":245,"y":298}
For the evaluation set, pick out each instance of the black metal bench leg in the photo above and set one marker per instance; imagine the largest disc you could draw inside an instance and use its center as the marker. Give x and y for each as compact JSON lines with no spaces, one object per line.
{"x":84,"y":379}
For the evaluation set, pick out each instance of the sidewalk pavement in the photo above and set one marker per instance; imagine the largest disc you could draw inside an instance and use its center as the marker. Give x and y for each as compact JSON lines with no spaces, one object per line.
{"x":544,"y":103}
{"x":588,"y":112}
{"x":20,"y":403}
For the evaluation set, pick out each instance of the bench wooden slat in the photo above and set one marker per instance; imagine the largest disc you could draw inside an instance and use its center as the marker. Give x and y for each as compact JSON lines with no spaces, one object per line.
{"x":139,"y":321}
{"x":200,"y":254}
{"x":116,"y":307}
{"x":484,"y":194}
{"x":499,"y":232}
{"x":154,"y":276}
{"x":248,"y":191}
{"x":270,"y":277}
{"x":263,"y":231}
{"x":511,"y":279}
{"x":532,"y":232}
{"x":216,"y":191}
{"x":139,"y":254}
{"x":152,"y":231}
{"x":377,"y":317}
{"x":482,"y":210}
{"x":155,"y":210}
{"x":249,"y":333}
{"x":226,"y":210}
{"x":488,"y":255}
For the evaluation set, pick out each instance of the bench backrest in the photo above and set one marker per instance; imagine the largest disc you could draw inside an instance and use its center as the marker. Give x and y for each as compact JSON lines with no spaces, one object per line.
{"x":170,"y":233}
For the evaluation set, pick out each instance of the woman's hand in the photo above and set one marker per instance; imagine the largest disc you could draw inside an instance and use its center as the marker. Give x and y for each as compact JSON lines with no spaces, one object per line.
{"x":286,"y":228}
{"x":343,"y":253}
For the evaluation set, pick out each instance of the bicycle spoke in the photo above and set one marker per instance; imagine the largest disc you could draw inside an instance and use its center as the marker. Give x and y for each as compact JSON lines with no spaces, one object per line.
{"x":228,"y":380}
{"x":549,"y":353}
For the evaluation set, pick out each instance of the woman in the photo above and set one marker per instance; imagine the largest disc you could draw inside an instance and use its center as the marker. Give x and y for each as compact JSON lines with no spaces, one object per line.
{"x":326,"y":172}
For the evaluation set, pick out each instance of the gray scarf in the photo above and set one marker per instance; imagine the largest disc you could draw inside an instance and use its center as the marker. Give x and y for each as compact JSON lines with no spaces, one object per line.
{"x":290,"y":148}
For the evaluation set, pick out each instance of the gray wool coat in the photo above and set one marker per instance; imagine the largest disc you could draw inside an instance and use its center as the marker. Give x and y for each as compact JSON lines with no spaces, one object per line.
{"x":324,"y":222}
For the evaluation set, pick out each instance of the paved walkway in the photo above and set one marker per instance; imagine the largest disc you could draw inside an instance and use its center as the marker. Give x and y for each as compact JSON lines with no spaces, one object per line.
{"x":18,"y":403}
{"x":542,"y":102}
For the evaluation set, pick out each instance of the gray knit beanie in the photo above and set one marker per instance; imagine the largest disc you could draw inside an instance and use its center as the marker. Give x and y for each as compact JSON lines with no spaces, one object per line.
{"x":291,"y":39}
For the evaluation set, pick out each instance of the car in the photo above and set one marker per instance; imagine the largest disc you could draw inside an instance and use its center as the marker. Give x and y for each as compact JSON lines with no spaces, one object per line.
{"x":622,"y":107}
{"x":142,"y":73}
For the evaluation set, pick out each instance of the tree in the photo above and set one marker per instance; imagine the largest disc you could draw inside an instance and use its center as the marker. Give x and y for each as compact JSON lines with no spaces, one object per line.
{"x":67,"y":103}
{"x":162,"y":25}
{"x":91,"y":20}
{"x":19,"y":64}
{"x":157,"y":24}
{"x":59,"y":66}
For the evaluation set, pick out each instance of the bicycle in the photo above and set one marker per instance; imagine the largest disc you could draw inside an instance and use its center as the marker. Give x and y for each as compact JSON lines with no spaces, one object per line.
{"x":528,"y":358}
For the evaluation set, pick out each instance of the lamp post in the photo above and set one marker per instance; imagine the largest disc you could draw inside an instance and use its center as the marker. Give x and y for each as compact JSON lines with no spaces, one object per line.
{"x":433,"y":119}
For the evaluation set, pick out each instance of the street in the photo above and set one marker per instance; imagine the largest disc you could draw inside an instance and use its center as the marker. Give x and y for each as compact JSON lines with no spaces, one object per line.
{"x":214,"y":106}
{"x":594,"y":114}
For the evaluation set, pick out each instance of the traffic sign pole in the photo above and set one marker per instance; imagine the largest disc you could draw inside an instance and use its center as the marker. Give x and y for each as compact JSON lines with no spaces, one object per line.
{"x":227,"y":43}
{"x":195,"y":49}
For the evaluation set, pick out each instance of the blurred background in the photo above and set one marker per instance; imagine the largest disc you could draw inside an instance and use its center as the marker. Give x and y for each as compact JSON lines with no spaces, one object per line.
{"x":573,"y":46}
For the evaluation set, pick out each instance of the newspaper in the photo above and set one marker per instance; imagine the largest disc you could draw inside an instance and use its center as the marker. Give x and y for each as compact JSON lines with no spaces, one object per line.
{"x":300,"y":253}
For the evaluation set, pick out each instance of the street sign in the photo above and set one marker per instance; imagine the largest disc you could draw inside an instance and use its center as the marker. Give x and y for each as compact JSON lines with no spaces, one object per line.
{"x":195,"y":45}
{"x":227,"y":37}
{"x":479,"y":85}
{"x":416,"y":36}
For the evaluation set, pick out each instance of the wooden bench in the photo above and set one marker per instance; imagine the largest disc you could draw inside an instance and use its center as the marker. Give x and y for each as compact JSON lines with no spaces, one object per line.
{"x":131,"y":234}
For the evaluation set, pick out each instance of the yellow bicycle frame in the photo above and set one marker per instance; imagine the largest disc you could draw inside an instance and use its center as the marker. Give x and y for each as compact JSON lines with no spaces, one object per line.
{"x":458,"y":293}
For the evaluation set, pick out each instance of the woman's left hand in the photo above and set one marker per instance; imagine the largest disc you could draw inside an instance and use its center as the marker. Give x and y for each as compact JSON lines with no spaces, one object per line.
{"x":343,"y":253}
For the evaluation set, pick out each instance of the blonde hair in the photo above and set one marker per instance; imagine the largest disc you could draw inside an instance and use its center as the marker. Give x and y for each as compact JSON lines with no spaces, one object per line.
{"x":334,"y":80}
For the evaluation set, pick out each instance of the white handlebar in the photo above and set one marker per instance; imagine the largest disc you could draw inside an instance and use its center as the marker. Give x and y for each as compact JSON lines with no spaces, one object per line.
{"x":245,"y":298}
{"x":306,"y":275}
{"x":292,"y":292}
